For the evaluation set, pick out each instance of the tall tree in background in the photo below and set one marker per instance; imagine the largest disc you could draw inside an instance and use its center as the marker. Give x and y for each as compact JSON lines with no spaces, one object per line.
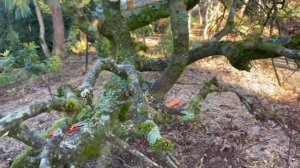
{"x":43,"y":42}
{"x":58,"y":27}
{"x":21,"y":9}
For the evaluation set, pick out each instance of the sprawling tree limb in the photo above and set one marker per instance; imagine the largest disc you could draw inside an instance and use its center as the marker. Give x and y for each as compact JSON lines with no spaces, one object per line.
{"x":52,"y":144}
{"x":87,"y":86}
{"x":266,"y":50}
{"x":135,"y":19}
{"x":134,"y":87}
{"x":160,"y":64}
{"x":17,"y":117}
{"x":92,"y":75}
{"x":180,"y":32}
{"x":152,"y":12}
{"x":276,"y":49}
{"x":25,"y":135}
{"x":143,"y":111}
{"x":89,"y":25}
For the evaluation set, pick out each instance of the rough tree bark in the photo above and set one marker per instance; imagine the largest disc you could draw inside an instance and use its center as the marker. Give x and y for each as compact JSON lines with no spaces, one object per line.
{"x":44,"y":45}
{"x":58,"y":27}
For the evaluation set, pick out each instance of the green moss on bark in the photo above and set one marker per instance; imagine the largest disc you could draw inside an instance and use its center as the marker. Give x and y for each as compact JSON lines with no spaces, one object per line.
{"x":162,"y":144}
{"x":91,"y":146}
{"x":240,"y":58}
{"x":19,"y":160}
{"x":146,"y":127}
{"x":114,"y":98}
{"x":54,"y":126}
{"x":72,"y":106}
{"x":84,"y":114}
{"x":294,"y":43}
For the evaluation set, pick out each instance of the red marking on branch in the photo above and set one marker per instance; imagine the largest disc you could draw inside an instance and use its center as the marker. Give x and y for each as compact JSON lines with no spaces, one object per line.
{"x":73,"y":128}
{"x":174,"y":103}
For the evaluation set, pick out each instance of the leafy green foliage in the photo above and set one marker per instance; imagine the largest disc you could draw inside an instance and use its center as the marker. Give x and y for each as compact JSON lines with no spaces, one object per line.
{"x":6,"y":78}
{"x":294,"y":43}
{"x":29,"y":57}
{"x":54,"y":64}
{"x":72,"y":38}
{"x":5,"y":53}
{"x":20,"y":7}
{"x":72,"y":106}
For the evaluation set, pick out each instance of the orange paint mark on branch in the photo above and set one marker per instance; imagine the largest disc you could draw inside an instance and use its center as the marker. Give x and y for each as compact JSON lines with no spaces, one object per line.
{"x":174,"y":103}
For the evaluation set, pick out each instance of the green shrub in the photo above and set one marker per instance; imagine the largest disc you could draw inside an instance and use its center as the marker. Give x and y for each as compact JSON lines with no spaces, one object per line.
{"x":29,"y":58}
{"x":6,"y":78}
{"x":54,"y":64}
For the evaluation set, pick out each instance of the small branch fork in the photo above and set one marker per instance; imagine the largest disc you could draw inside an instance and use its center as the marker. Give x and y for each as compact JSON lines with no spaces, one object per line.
{"x":229,"y":23}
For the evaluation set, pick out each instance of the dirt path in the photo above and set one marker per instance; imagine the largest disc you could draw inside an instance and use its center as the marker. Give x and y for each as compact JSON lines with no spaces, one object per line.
{"x":226,"y":136}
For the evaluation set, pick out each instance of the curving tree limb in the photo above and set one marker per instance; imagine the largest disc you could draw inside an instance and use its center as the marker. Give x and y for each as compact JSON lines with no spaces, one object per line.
{"x":17,"y":117}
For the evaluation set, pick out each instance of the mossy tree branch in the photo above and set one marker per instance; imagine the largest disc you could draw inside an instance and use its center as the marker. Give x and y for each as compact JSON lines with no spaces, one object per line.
{"x":28,"y":137}
{"x":121,"y":38}
{"x":133,"y":20}
{"x":17,"y":117}
{"x":179,"y":59}
{"x":51,"y":145}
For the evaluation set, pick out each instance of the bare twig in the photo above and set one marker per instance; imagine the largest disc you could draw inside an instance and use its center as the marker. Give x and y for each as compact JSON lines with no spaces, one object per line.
{"x":133,"y":151}
{"x":260,"y":142}
{"x":48,"y":86}
{"x":290,"y":75}
{"x":276,"y":73}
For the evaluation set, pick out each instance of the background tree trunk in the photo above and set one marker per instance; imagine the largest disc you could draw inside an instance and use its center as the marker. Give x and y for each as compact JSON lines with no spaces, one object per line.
{"x":39,"y":16}
{"x":58,"y":27}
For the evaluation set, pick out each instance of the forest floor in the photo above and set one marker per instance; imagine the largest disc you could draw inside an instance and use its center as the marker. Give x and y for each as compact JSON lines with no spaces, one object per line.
{"x":227,"y":135}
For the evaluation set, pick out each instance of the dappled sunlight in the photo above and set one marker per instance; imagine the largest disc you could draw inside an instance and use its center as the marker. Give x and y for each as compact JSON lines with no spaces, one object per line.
{"x":260,"y":80}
